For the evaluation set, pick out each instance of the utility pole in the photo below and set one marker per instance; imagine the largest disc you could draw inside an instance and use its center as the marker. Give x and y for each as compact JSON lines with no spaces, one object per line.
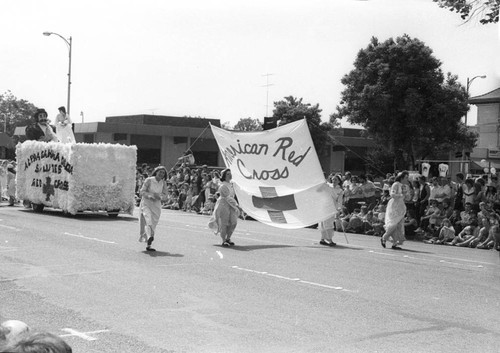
{"x":267,"y":91}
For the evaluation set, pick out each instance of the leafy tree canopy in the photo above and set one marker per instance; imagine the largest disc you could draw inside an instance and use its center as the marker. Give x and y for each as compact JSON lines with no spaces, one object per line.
{"x":292,"y":109}
{"x":16,"y":111}
{"x":399,"y":94}
{"x":486,"y":11}
{"x":248,"y":124}
{"x":226,"y":125}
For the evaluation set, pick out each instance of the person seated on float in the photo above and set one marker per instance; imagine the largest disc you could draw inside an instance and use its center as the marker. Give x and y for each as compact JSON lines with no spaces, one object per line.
{"x":40,"y":129}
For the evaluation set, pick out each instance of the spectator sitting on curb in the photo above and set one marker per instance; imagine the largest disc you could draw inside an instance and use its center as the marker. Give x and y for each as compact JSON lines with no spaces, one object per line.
{"x":446,"y":233}
{"x":410,"y":223}
{"x":472,"y":242}
{"x":470,"y":231}
{"x":493,"y":239}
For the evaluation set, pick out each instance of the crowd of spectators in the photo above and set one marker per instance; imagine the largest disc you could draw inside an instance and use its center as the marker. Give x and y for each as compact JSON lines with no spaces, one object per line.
{"x":460,"y":212}
{"x":190,"y":188}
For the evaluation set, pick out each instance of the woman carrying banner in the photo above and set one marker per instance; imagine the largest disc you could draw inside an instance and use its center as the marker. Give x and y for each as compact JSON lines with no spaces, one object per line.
{"x":395,"y":213}
{"x":226,"y":212}
{"x":327,"y":227}
{"x":153,"y":191}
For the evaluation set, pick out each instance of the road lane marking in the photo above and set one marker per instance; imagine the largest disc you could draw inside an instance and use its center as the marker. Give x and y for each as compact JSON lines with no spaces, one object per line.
{"x":183,"y":264}
{"x":293,"y":279}
{"x":46,"y":275}
{"x":82,"y":335}
{"x":9,"y":227}
{"x":321,"y":285}
{"x":438,"y":260}
{"x":382,"y":253}
{"x":456,"y":263}
{"x":88,"y":238}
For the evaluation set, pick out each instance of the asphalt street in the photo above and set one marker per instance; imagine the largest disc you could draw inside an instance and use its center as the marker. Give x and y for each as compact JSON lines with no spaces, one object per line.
{"x":89,"y":280}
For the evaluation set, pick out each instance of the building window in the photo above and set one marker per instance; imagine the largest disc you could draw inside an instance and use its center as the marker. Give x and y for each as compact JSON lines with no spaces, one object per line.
{"x":88,"y":138}
{"x":148,"y":155}
{"x":205,"y":157}
{"x":180,"y":139}
{"x":119,"y":137}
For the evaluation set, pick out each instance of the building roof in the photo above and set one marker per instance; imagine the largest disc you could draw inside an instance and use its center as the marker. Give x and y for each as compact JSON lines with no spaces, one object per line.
{"x":145,"y":119}
{"x":490,"y":97}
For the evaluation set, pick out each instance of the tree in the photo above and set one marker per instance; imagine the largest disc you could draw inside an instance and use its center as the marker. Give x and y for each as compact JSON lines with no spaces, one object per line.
{"x":292,"y":109}
{"x":248,"y":124}
{"x":17,"y":112}
{"x":486,"y":11}
{"x":399,"y":94}
{"x":226,"y":125}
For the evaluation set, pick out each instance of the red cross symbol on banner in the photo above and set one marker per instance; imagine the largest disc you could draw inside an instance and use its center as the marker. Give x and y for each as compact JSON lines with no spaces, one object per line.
{"x":48,"y":189}
{"x":274,"y":204}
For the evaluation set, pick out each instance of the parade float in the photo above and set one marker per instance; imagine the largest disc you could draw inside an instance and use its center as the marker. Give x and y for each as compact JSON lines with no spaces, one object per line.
{"x":77,"y":177}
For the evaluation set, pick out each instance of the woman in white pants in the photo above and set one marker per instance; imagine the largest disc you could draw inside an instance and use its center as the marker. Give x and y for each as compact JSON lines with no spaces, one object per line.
{"x":153,"y":191}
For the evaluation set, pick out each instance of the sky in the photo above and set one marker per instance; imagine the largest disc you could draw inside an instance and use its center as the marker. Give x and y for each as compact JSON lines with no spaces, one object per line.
{"x":218,"y":59}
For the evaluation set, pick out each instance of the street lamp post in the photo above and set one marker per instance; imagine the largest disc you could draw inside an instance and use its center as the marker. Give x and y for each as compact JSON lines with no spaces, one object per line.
{"x":469,"y":82}
{"x":69,"y":43}
{"x":463,"y":167}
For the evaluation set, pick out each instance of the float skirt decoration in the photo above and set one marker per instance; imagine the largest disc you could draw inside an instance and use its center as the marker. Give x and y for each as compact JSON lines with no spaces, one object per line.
{"x":77,"y":177}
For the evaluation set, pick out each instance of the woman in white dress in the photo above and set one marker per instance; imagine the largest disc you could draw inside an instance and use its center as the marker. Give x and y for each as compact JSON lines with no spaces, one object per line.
{"x":64,"y":131}
{"x":395,"y":213}
{"x":153,"y":191}
{"x":327,"y":227}
{"x":226,"y":212}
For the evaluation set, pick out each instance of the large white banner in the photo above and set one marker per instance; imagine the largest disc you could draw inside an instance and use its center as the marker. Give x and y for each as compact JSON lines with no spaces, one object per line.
{"x":276,"y":175}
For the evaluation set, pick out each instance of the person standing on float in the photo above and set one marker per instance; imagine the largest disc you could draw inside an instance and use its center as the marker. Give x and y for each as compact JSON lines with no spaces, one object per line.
{"x":395,"y":213}
{"x":152,"y":192}
{"x":64,"y":125}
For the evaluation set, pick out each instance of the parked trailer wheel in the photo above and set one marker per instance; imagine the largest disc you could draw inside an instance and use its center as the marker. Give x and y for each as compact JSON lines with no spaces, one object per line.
{"x":38,"y":207}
